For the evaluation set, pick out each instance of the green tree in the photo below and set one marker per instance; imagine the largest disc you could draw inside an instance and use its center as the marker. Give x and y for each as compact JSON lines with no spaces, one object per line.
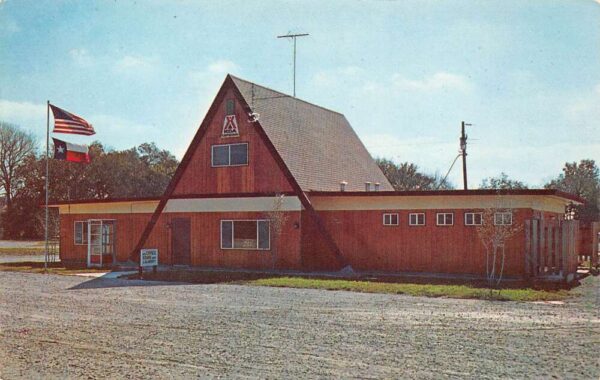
{"x":142,"y":171}
{"x":583,"y":180}
{"x":406,"y":176}
{"x":15,"y":146}
{"x":501,"y":182}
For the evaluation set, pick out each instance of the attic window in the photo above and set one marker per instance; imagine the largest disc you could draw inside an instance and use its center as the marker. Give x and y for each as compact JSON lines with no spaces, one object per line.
{"x":230,"y":107}
{"x":230,"y":155}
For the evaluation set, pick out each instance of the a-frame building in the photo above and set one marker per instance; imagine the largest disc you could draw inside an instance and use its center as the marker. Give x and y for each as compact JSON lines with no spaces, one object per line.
{"x":270,"y":181}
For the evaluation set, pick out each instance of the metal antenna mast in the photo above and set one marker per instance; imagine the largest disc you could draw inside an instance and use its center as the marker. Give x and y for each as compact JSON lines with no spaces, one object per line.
{"x":293,"y":37}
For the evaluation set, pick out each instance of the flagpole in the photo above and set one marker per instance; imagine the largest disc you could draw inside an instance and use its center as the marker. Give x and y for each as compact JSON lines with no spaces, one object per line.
{"x":47,"y":172}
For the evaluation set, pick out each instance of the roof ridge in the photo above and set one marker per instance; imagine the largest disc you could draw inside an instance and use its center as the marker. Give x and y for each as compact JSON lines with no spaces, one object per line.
{"x":287,"y":95}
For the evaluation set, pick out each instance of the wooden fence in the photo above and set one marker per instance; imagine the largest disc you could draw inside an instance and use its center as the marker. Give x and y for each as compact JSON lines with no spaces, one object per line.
{"x":589,"y":247}
{"x":551,"y":249}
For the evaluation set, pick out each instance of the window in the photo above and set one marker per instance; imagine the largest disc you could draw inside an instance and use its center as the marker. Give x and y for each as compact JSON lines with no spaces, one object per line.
{"x":416,"y":219}
{"x":445,"y":218}
{"x":230,"y":155}
{"x":390,"y":219}
{"x":473,"y":219}
{"x":81,"y":233}
{"x":503,"y":218}
{"x":229,"y":107}
{"x":245,"y":234}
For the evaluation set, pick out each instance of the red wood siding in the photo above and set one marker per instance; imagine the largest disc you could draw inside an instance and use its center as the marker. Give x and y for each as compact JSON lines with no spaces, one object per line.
{"x":316,"y":254}
{"x":205,"y":240}
{"x":262,"y":174}
{"x":368,"y":245}
{"x":128,"y":229}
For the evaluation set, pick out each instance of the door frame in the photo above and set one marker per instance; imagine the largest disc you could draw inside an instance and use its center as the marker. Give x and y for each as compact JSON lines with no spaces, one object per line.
{"x":172,"y":243}
{"x":101,"y":223}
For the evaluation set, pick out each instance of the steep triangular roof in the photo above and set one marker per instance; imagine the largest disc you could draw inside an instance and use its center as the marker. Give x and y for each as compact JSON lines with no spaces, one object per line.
{"x":318,"y":145}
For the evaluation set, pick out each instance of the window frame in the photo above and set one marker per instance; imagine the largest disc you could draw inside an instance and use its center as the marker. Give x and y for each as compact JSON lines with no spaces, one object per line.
{"x":437,"y":219}
{"x":503,"y":213}
{"x":268,"y":221}
{"x":473,"y":214}
{"x":391,"y":215}
{"x":212,"y":155}
{"x":84,"y":232}
{"x":416,"y":214}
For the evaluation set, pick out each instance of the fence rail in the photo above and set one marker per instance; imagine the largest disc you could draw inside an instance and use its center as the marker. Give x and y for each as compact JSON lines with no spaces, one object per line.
{"x":53,"y":250}
{"x":551,"y":249}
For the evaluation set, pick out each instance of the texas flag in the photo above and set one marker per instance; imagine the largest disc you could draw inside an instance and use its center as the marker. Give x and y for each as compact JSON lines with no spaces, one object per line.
{"x":71,"y":152}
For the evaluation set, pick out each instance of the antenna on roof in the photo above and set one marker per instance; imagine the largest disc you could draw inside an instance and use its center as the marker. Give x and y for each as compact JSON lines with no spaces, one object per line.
{"x":293,"y":37}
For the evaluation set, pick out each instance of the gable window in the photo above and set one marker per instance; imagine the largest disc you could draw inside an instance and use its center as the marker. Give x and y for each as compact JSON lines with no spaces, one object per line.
{"x":390,"y":219}
{"x":81,"y":233}
{"x":445,"y":218}
{"x":416,"y":219}
{"x":245,"y":234}
{"x":229,"y":155}
{"x":230,"y":107}
{"x":473,"y":219}
{"x":503,"y":218}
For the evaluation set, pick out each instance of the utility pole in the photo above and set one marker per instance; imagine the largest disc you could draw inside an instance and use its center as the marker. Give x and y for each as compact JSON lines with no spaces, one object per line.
{"x":293,"y":37}
{"x":463,"y":152}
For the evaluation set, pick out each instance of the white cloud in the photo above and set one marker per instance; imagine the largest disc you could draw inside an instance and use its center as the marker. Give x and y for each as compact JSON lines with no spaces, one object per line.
{"x":436,"y":82}
{"x":135,"y":63}
{"x":110,"y":130}
{"x":27,"y":115}
{"x":359,"y":79}
{"x":222,"y":66}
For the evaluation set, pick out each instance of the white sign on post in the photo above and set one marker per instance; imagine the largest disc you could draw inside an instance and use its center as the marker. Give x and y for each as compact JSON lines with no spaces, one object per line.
{"x":149,"y":257}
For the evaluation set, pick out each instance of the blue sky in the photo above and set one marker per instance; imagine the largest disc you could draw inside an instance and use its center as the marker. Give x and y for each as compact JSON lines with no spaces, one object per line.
{"x":526,"y":74}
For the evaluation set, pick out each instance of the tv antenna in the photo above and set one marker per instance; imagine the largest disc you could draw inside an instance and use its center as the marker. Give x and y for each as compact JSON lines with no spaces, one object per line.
{"x":293,"y":37}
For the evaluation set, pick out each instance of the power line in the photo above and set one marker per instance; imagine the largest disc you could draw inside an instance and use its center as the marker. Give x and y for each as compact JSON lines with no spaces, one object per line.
{"x":446,"y":176}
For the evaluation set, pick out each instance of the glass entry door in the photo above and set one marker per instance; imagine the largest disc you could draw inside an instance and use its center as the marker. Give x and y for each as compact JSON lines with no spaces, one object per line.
{"x":101,"y":242}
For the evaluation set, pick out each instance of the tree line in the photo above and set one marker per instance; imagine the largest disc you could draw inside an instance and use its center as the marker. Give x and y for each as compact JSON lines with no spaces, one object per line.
{"x":145,"y":171}
{"x":578,"y":178}
{"x":141,"y":171}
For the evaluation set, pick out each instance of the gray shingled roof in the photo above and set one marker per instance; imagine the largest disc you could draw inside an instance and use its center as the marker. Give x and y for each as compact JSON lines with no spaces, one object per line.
{"x":318,"y":145}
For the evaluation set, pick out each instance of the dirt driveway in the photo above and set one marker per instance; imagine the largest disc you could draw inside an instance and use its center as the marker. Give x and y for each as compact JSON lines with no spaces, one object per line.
{"x":72,"y":327}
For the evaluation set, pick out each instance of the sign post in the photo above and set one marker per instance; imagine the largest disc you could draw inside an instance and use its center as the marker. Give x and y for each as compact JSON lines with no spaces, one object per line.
{"x":148,"y":258}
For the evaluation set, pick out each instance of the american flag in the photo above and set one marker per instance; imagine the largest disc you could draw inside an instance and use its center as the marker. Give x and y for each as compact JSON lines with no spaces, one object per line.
{"x":66,"y":122}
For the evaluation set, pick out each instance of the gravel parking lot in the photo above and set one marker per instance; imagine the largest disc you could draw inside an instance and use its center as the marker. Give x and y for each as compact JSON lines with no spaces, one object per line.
{"x":73,"y":327}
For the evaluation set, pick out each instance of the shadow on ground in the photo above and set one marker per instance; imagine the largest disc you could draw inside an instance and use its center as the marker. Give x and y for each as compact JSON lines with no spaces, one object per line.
{"x":111,"y":282}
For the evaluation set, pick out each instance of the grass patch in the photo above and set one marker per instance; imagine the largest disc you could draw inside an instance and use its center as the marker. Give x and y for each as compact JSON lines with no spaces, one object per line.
{"x":53,"y":268}
{"x":200,"y":277}
{"x":426,"y":290}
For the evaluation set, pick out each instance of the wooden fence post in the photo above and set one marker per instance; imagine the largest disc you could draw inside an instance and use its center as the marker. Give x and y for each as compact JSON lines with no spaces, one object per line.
{"x":550,"y":250}
{"x":534,"y":246}
{"x":527,"y":248}
{"x":558,"y":248}
{"x":564,"y":249}
{"x":594,"y":251}
{"x":542,"y":261}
